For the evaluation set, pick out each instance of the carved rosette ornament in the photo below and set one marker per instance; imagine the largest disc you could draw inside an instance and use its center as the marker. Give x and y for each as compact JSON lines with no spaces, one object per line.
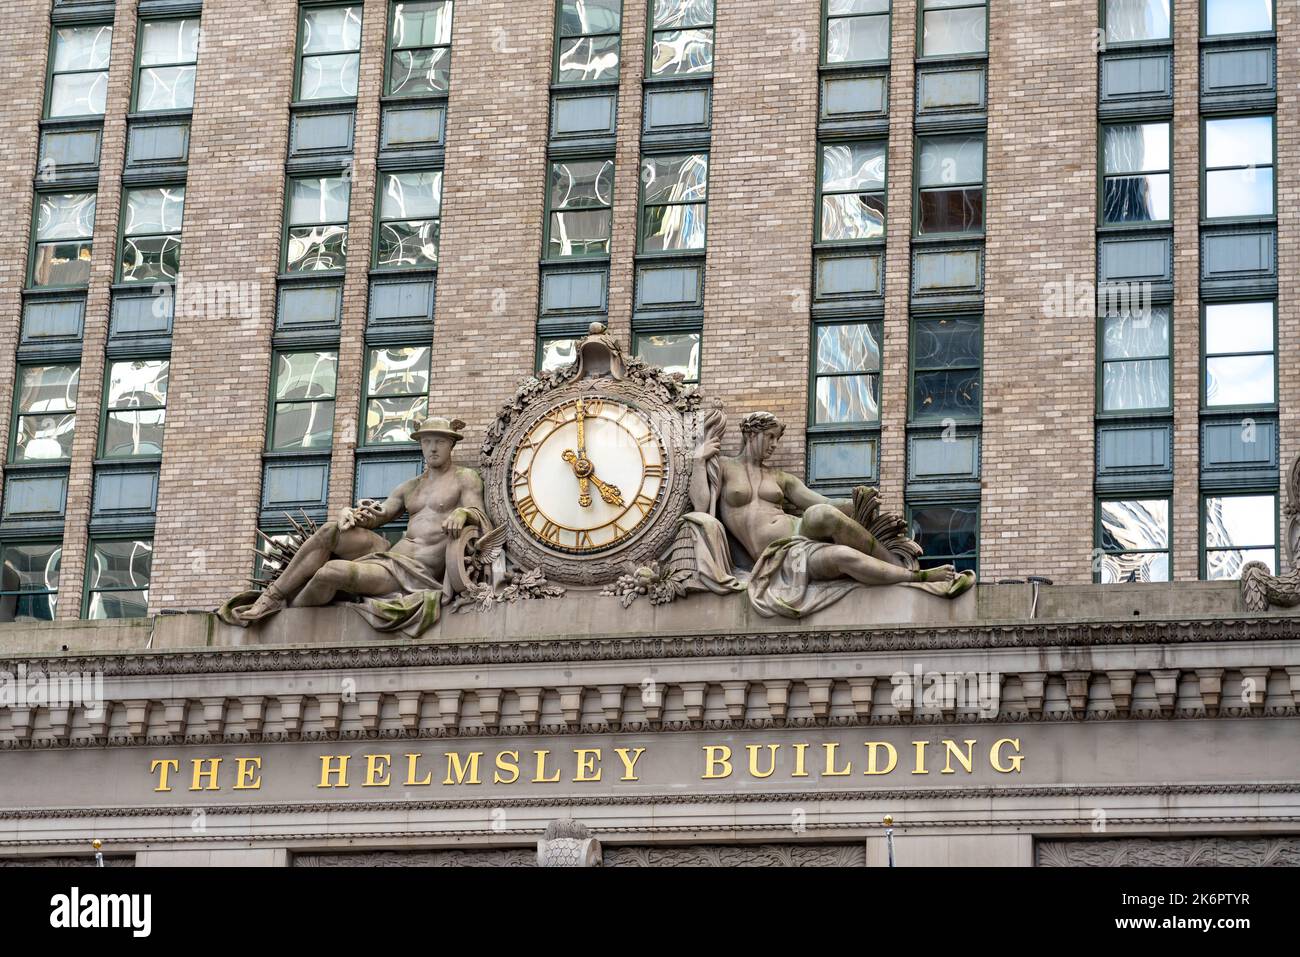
{"x":1259,"y":587}
{"x":588,"y":467}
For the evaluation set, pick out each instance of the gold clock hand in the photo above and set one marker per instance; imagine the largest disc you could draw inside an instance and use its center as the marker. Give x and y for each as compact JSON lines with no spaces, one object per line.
{"x":610,"y":493}
{"x":581,"y":411}
{"x":582,"y":469}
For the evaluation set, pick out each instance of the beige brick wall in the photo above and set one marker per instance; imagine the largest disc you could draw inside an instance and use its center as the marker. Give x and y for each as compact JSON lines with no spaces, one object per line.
{"x":1288,"y":236}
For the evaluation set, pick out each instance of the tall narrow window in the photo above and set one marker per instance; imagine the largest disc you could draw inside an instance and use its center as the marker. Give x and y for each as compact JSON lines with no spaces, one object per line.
{"x":410,"y":208}
{"x":853,"y":191}
{"x":1240,"y":354}
{"x":857,"y":31}
{"x":117,"y":579}
{"x":1239,"y":167}
{"x":79,"y":71}
{"x":65,"y":223}
{"x":397,"y":392}
{"x":317,"y":225}
{"x":846,"y":374}
{"x":950,"y":174}
{"x":29,"y":578}
{"x":1133,"y":540}
{"x":165,"y":63}
{"x":674,"y":191}
{"x":46,"y":412}
{"x":949,"y":534}
{"x":587,"y":50}
{"x":151,"y":234}
{"x":135,"y":408}
{"x":302,"y":414}
{"x":675,"y":352}
{"x":1239,"y":529}
{"x":681,"y":38}
{"x":946,"y":363}
{"x":1226,"y":17}
{"x":329,"y":41}
{"x":580,"y":198}
{"x":1137,"y":20}
{"x":1135,"y":187}
{"x":1135,"y":360}
{"x":953,"y":27}
{"x":419,"y":48}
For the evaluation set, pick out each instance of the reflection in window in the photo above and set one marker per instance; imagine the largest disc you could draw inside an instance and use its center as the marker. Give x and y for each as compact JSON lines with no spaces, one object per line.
{"x":673,"y":209}
{"x":580,"y":197}
{"x":677,"y":353}
{"x":588,"y":46}
{"x":857,"y":31}
{"x":1134,"y":20}
{"x":1239,"y":354}
{"x":135,"y":407}
{"x":79,"y":71}
{"x":681,"y":38}
{"x":397,"y":392}
{"x":555,"y":354}
{"x":953,"y":27}
{"x":302,"y":414}
{"x":1239,"y":167}
{"x":853,"y":191}
{"x":949,"y":535}
{"x":1135,"y":360}
{"x":846,"y":373}
{"x":329,"y":41}
{"x":47,"y":403}
{"x":317,"y":223}
{"x":168,"y":52}
{"x":117,"y":579}
{"x":946,"y":360}
{"x":65,"y":223}
{"x":419,"y":48}
{"x":1134,"y":544}
{"x":151,"y":234}
{"x":410,"y":208}
{"x":1135,"y":188}
{"x":950,"y":170}
{"x":1239,"y":529}
{"x":29,"y":580}
{"x":1224,"y":17}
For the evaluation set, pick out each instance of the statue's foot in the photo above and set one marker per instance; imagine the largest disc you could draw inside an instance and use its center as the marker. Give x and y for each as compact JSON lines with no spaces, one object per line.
{"x":268,"y":603}
{"x":944,"y":581}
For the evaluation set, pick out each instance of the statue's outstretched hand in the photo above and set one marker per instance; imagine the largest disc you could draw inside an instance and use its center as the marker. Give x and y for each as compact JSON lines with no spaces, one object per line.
{"x":707,"y":449}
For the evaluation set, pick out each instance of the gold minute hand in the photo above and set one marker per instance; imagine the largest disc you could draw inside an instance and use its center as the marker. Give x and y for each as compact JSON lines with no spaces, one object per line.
{"x":609,"y":493}
{"x":582,"y":469}
{"x":581,"y":411}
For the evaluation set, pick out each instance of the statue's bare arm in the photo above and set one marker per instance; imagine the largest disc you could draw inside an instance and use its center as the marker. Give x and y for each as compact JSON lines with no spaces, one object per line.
{"x":800,"y":495}
{"x":705,"y":452}
{"x":471,"y":502}
{"x":363,"y":516}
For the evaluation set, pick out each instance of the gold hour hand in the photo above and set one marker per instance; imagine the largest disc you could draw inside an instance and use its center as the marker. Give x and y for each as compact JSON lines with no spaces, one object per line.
{"x":609,"y":493}
{"x":582,"y":469}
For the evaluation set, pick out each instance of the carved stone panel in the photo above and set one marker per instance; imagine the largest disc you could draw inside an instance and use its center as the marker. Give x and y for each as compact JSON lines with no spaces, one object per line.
{"x":1171,"y":852}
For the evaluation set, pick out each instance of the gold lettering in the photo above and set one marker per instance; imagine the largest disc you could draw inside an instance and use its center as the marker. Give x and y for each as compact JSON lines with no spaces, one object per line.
{"x":872,"y":766}
{"x":629,"y":767}
{"x":170,"y":764}
{"x":511,"y":766}
{"x":995,"y":754}
{"x":920,"y":757}
{"x":753,"y":759}
{"x":587,"y":758}
{"x":830,"y":771}
{"x":464,"y":769}
{"x":377,"y":771}
{"x":410,"y":772}
{"x":209,"y":773}
{"x":327,"y":769}
{"x":799,"y":770}
{"x":540,"y":777}
{"x":952,"y":752}
{"x":716,"y":755}
{"x":246,"y":776}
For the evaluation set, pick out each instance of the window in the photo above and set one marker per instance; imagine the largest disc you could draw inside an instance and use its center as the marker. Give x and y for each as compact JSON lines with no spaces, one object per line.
{"x":681,"y":38}
{"x":302,"y":413}
{"x":1135,"y":183}
{"x":329,"y":41}
{"x":166,"y":55}
{"x":953,"y":27}
{"x":1135,"y":360}
{"x":397,"y":392}
{"x":949,"y":534}
{"x":1137,"y":20}
{"x":951,"y":183}
{"x":1223,"y":17}
{"x":135,"y":408}
{"x":151,"y":234}
{"x":409,"y":223}
{"x":1239,"y":167}
{"x":674,"y":352}
{"x":65,"y":223}
{"x":852,"y":191}
{"x":846,"y":373}
{"x":1239,"y":529}
{"x":46,"y":412}
{"x":79,"y":71}
{"x":674,"y":190}
{"x":117,"y":579}
{"x":555,"y":354}
{"x":29,"y":579}
{"x":946,"y":360}
{"x":857,"y":31}
{"x":580,"y":198}
{"x":1133,"y":541}
{"x":1239,"y":354}
{"x":419,"y":49}
{"x":588,"y":45}
{"x":317,"y":224}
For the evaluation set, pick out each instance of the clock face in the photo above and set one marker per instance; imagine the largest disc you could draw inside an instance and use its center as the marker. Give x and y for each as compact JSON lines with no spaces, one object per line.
{"x":587,"y":475}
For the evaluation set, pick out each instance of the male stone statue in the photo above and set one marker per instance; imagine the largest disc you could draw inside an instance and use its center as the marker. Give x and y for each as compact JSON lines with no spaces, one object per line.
{"x":403,"y":584}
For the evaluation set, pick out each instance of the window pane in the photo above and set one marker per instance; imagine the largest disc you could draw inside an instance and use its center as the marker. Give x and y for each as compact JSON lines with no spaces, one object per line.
{"x":118,"y":604}
{"x":166,"y":88}
{"x":120,"y":564}
{"x":943,"y":530}
{"x":847,"y":398}
{"x":951,"y":210}
{"x":1241,"y":141}
{"x":853,"y":166}
{"x":682,"y":13}
{"x":852,"y":347}
{"x":169,"y":41}
{"x":841,"y":7}
{"x":321,"y":199}
{"x":1239,"y":380}
{"x":313,"y":248}
{"x":588,"y":59}
{"x":403,"y":370}
{"x":1236,"y":521}
{"x":953,"y":32}
{"x":1238,"y":16}
{"x":332,"y":29}
{"x":1134,"y":567}
{"x":951,"y":160}
{"x":581,"y":233}
{"x":1136,"y":148}
{"x":1135,"y":384}
{"x":411,"y":196}
{"x":674,"y":179}
{"x":558,"y":354}
{"x":856,"y":39}
{"x":413,"y":243}
{"x":134,"y":433}
{"x":421,"y":24}
{"x":847,"y":216}
{"x":31,"y":567}
{"x":1137,"y":20}
{"x":45,"y":436}
{"x":1239,"y":192}
{"x":1130,"y":199}
{"x":391,"y":419}
{"x":674,"y":352}
{"x":1136,"y":335}
{"x":151,"y":259}
{"x":48,"y":388}
{"x":140,"y":383}
{"x":419,"y":72}
{"x":82,"y":48}
{"x":62,"y":264}
{"x":303,"y":425}
{"x":941,"y":395}
{"x":840,"y":459}
{"x":1226,"y":564}
{"x":65,"y":216}
{"x":682,"y":53}
{"x":578,"y":17}
{"x":154,"y":210}
{"x":78,"y":94}
{"x":582,"y":184}
{"x":305,"y":375}
{"x":1239,"y":327}
{"x":1135,"y":524}
{"x":329,"y":77}
{"x":945,"y":343}
{"x":673,"y":227}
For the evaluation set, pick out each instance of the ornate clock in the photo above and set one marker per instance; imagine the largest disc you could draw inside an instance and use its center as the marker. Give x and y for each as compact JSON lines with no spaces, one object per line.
{"x":588,"y":467}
